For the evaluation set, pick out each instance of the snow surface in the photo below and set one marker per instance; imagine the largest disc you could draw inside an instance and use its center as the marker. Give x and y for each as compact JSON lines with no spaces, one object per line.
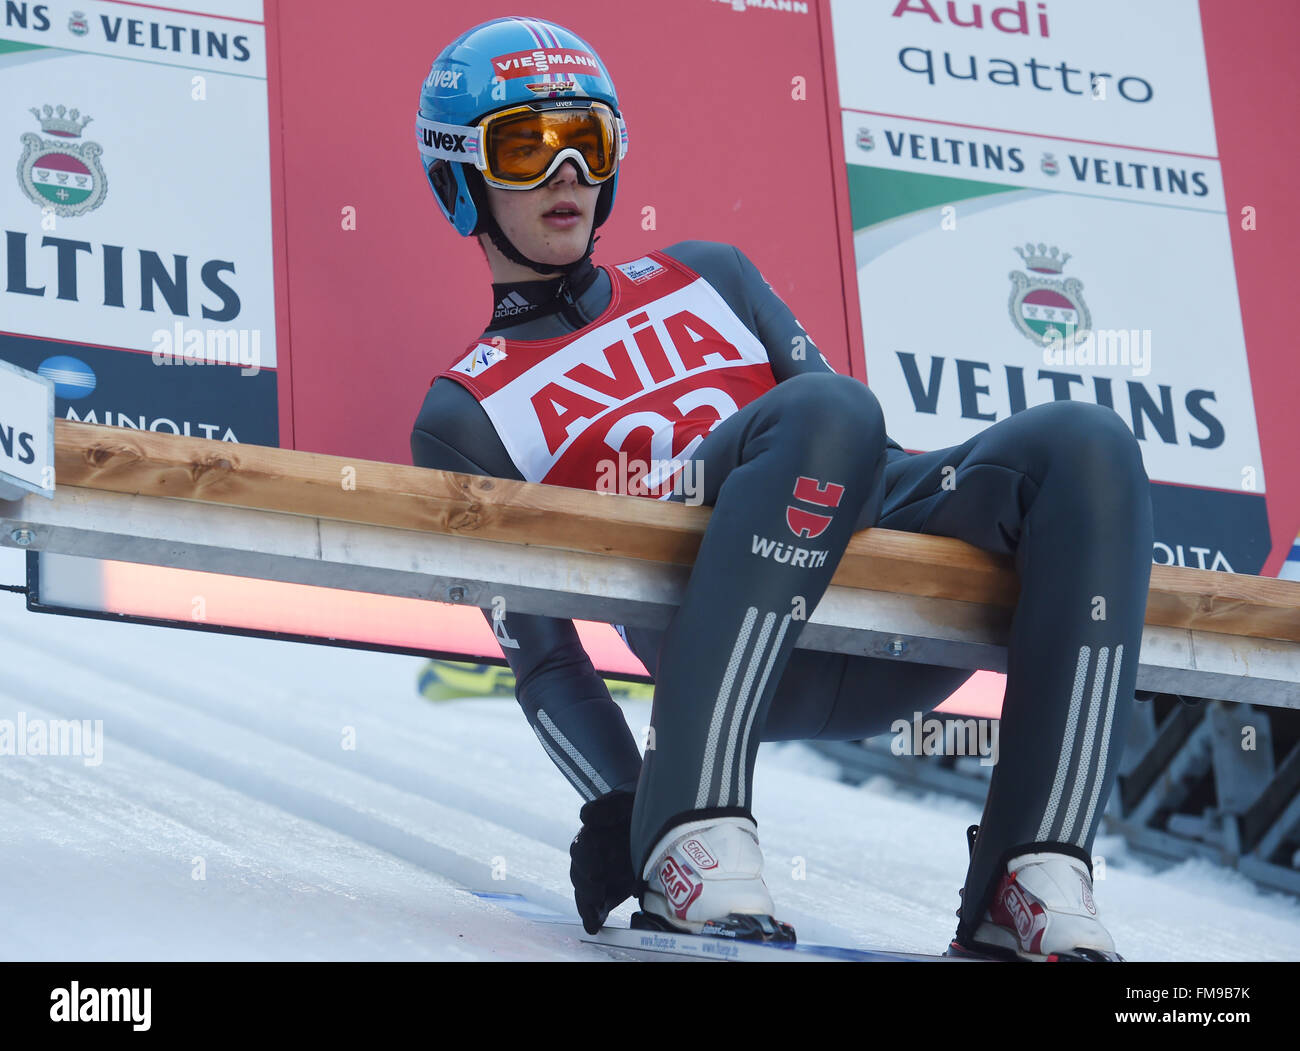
{"x":229,"y":819}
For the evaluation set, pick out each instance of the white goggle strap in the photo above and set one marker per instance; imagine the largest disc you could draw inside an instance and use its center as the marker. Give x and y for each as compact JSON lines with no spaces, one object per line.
{"x":449,"y":142}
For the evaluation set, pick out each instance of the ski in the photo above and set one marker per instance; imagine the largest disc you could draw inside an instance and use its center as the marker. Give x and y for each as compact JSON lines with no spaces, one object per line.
{"x":698,"y":947}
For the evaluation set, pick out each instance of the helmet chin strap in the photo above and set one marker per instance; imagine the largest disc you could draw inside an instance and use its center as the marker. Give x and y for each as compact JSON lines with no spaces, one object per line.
{"x":488,"y":224}
{"x":507,"y":249}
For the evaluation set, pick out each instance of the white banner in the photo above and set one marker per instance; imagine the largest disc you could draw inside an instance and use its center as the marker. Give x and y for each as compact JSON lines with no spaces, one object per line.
{"x":229,"y":38}
{"x":138,"y":194}
{"x":1033,"y":67}
{"x":1033,"y":161}
{"x":956,"y":306}
{"x":26,"y":433}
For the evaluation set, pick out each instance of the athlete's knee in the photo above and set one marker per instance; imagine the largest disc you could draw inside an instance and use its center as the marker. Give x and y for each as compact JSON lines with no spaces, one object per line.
{"x":1089,"y":446}
{"x":825,"y":404}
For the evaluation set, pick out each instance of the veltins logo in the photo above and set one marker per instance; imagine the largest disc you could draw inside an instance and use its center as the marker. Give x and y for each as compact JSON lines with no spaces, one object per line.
{"x":59,"y":173}
{"x":1046,"y":310}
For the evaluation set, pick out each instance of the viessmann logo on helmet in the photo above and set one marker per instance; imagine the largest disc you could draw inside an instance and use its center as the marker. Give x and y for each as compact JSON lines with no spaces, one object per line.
{"x":531,"y":63}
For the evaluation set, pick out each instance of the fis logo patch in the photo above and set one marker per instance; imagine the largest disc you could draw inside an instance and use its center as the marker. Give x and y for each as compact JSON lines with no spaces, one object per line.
{"x":480,"y":359}
{"x":805,"y":523}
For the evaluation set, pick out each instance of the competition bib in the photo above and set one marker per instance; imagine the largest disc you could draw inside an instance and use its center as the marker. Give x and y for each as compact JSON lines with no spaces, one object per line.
{"x":642,"y":384}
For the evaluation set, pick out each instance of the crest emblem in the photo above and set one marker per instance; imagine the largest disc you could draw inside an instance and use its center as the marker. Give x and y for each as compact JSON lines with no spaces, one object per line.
{"x":1046,"y":310}
{"x":78,"y":24}
{"x":1051,"y":166}
{"x":553,"y":88}
{"x":62,"y":173}
{"x":865,"y":141}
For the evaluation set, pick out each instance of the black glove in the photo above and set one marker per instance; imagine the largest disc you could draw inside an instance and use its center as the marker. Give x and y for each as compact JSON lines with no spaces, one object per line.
{"x":602,"y":858}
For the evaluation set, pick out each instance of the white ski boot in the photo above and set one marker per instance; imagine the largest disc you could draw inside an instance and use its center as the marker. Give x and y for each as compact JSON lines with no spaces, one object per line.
{"x":1042,"y":910}
{"x":706,"y":877}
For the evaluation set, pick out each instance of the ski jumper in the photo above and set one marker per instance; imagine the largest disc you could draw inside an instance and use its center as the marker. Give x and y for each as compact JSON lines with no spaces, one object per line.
{"x":688,"y":355}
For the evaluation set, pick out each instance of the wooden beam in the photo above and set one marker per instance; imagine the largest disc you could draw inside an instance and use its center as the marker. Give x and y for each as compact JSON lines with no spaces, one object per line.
{"x":353,"y":490}
{"x":352,"y":556}
{"x":1228,"y":603}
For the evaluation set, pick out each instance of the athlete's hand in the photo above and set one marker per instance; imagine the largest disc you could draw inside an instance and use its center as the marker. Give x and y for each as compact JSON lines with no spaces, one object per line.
{"x":602,"y":863}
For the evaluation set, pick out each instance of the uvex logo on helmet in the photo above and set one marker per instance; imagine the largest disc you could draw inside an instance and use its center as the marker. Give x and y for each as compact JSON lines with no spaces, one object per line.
{"x":825,"y":494}
{"x":444,"y":140}
{"x":443,"y":78}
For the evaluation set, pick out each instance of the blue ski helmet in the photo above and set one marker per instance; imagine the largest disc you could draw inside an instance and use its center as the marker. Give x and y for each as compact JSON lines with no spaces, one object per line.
{"x":501,"y":64}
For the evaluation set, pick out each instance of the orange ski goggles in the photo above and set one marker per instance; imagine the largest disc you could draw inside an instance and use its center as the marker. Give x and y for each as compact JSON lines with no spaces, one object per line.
{"x":521,"y":147}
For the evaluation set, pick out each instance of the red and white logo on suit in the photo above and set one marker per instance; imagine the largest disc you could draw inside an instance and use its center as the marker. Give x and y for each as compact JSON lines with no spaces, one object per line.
{"x":805,"y":523}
